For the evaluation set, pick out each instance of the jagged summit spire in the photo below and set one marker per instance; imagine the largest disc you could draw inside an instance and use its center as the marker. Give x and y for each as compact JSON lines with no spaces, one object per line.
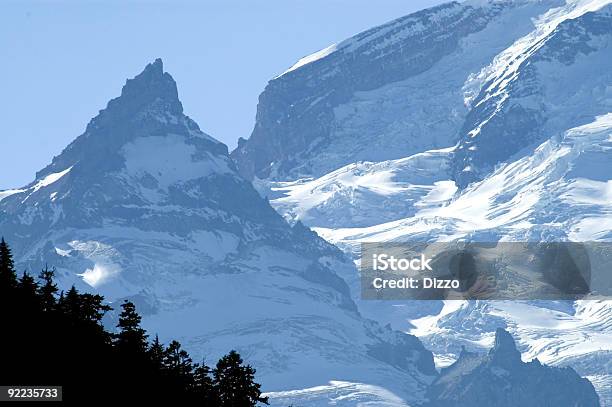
{"x":157,"y":65}
{"x":504,"y":348}
{"x":151,"y":85}
{"x":152,"y":77}
{"x":148,"y":105}
{"x":152,"y":88}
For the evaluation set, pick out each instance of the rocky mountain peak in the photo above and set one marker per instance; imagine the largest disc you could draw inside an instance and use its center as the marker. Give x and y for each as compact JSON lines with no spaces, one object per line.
{"x":148,"y":106}
{"x":504,"y":347}
{"x":501,"y":379}
{"x":152,"y":88}
{"x":151,"y":84}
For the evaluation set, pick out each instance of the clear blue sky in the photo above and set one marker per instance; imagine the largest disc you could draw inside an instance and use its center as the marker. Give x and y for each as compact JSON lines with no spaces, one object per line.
{"x":62,"y":61}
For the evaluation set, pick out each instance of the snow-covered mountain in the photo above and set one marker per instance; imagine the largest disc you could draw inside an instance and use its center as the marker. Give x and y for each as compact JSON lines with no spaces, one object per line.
{"x":556,"y":78}
{"x":496,"y":129}
{"x":145,"y":206}
{"x":366,"y":193}
{"x":501,"y":378}
{"x":387,"y":93}
{"x":561,"y":191}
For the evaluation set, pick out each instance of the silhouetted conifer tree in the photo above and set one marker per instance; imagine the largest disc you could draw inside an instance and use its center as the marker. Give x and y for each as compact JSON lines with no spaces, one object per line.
{"x":204,"y":388}
{"x":70,"y":305}
{"x":48,"y":289}
{"x":27,"y":294}
{"x":236,"y":383}
{"x":178,"y":363}
{"x":131,"y":337}
{"x":156,"y":354}
{"x":92,"y":308}
{"x":8,"y":278}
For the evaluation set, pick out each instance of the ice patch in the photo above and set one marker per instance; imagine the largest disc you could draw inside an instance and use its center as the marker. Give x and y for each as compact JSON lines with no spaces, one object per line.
{"x":9,"y":192}
{"x":367,"y":193}
{"x":170,"y":160}
{"x":100,"y":274}
{"x":216,"y":244}
{"x":102,"y":255}
{"x":63,"y":253}
{"x":339,"y":394}
{"x":45,"y":182}
{"x":310,"y":58}
{"x":50,"y":179}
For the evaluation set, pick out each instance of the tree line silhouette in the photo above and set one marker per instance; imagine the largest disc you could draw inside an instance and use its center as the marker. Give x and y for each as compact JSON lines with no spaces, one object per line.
{"x":48,"y":337}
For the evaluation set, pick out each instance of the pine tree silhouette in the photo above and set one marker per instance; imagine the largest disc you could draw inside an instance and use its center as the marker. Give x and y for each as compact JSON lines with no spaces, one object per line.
{"x":235,"y":383}
{"x":27,"y":294}
{"x":8,"y":278}
{"x":179,"y":365}
{"x":48,"y":289}
{"x":156,"y":354}
{"x":92,"y":308}
{"x":131,"y":338}
{"x":70,"y":305}
{"x":205,"y":389}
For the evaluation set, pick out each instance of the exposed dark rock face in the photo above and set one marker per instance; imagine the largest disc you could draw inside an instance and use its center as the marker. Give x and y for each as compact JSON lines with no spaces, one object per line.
{"x":295,"y":115}
{"x":545,"y":89}
{"x":502,"y":379}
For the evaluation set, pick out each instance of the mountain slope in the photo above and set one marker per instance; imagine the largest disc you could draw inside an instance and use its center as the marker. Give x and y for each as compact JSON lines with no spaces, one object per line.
{"x":554,"y":79}
{"x":145,"y":206}
{"x":560,"y":192}
{"x":364,"y":99}
{"x":366,"y":193}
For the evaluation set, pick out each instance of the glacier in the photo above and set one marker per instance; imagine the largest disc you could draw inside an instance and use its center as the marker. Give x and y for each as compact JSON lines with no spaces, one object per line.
{"x":505,"y":136}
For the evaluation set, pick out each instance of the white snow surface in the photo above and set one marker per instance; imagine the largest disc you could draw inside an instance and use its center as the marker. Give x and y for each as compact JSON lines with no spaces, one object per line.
{"x":8,"y":192}
{"x":556,"y":333}
{"x":520,"y":200}
{"x":559,"y":191}
{"x":311,"y":58}
{"x":36,"y":185}
{"x":505,"y":66}
{"x":50,"y":179}
{"x":338,"y":393}
{"x":367,"y":193}
{"x":169,"y":159}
